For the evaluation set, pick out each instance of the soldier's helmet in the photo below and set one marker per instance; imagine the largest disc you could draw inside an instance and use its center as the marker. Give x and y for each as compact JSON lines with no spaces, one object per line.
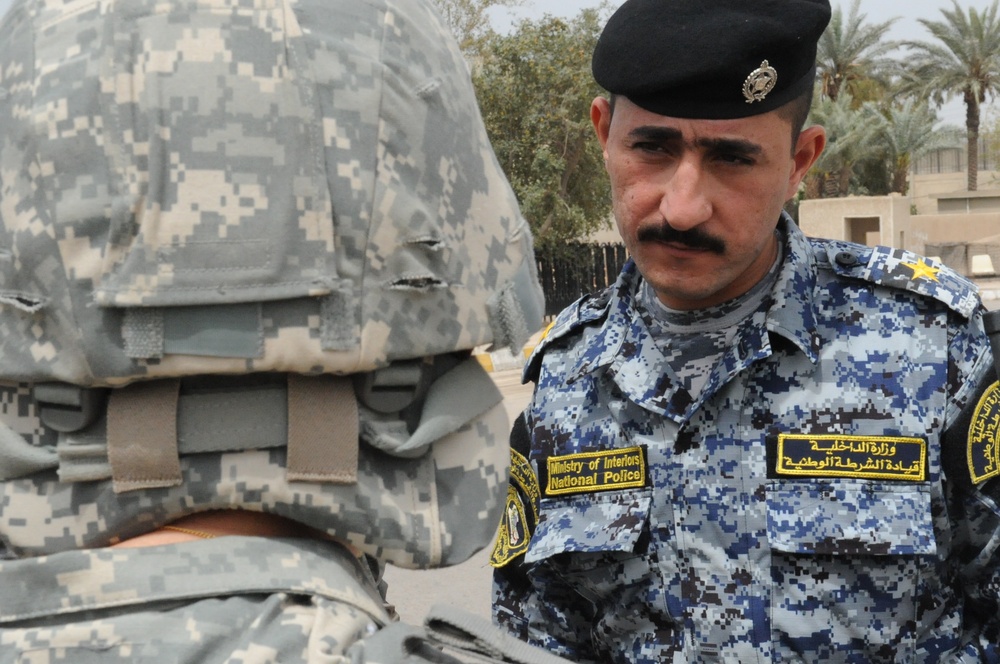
{"x":236,"y":238}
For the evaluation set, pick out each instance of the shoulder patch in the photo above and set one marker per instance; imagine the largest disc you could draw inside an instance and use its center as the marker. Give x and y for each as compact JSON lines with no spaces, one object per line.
{"x":897,"y":268}
{"x":520,"y":514}
{"x":984,"y":436}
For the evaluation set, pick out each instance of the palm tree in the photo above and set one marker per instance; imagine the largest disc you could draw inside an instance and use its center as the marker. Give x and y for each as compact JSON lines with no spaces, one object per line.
{"x":964,"y":60}
{"x":850,"y":135}
{"x":851,"y":51}
{"x":904,"y":133}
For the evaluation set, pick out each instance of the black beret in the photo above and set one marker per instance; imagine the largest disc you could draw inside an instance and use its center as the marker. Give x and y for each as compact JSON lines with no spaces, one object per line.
{"x":710,"y":59}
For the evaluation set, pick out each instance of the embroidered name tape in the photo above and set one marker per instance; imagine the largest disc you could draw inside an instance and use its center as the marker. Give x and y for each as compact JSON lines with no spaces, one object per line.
{"x":984,"y":436}
{"x":859,"y":457}
{"x":591,"y":472}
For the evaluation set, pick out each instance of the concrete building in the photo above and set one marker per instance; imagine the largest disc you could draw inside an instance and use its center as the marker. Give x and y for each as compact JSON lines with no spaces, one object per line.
{"x":961,"y":229}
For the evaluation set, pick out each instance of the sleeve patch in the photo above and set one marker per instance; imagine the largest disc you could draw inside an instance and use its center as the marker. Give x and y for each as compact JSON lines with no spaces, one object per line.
{"x":520,"y":514}
{"x":984,"y":436}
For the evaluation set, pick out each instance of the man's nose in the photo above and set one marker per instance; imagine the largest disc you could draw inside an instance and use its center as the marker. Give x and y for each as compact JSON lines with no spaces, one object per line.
{"x":685,"y":203}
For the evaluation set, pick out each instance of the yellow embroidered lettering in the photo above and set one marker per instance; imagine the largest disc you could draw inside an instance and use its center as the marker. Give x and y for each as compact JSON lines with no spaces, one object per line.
{"x":851,"y":455}
{"x":596,"y":471}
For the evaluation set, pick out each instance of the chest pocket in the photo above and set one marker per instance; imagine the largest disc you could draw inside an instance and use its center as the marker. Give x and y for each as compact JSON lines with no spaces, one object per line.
{"x":592,"y":523}
{"x":854,"y":556}
{"x":850,"y":518}
{"x":595,"y":544}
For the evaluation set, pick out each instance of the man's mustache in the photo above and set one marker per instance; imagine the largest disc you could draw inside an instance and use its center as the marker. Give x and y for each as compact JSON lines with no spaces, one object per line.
{"x":694,"y":238}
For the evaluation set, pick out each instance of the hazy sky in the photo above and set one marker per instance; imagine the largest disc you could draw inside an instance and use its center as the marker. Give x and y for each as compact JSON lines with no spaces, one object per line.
{"x":906,"y":27}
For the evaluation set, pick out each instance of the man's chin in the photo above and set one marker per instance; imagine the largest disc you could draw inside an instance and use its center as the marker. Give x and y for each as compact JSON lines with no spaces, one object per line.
{"x":683,"y":294}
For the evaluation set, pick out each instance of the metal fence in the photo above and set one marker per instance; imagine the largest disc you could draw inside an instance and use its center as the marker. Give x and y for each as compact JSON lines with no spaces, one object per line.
{"x":952,"y":159}
{"x":576,"y":270}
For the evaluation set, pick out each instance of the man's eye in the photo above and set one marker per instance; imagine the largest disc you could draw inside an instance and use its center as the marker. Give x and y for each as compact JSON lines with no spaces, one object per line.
{"x":646,"y":146}
{"x":735,"y":159}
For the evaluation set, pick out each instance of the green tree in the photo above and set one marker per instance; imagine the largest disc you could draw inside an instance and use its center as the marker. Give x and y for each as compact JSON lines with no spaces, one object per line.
{"x":535,"y":88}
{"x":963,"y":60}
{"x":469,"y":21}
{"x":852,"y":54}
{"x":903,"y":133}
{"x":850,"y":135}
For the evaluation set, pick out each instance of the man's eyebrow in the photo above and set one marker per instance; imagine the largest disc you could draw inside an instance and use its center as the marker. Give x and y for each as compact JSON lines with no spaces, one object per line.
{"x":655,"y":134}
{"x":730,"y":146}
{"x":667,"y":134}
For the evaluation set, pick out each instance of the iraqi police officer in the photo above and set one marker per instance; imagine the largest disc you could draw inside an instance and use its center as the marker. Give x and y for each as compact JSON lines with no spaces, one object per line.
{"x":755,"y":446}
{"x":246,"y":249}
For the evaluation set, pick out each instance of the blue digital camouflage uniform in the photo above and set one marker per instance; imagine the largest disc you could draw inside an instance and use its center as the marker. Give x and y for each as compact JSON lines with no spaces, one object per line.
{"x":804,"y":508}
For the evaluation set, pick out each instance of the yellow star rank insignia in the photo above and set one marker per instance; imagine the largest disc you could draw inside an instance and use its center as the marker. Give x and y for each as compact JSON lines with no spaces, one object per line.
{"x":922,"y":270}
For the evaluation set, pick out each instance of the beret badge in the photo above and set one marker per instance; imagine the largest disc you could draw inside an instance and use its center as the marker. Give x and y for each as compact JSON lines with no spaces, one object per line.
{"x":760,"y":82}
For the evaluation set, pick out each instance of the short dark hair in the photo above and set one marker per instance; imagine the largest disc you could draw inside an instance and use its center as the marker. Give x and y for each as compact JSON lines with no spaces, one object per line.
{"x":796,"y":112}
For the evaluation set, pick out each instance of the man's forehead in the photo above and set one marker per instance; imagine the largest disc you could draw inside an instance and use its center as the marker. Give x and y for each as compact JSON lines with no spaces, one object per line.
{"x":635,"y":121}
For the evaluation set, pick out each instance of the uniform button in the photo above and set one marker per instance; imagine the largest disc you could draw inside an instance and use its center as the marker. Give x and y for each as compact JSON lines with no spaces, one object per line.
{"x":846,"y":259}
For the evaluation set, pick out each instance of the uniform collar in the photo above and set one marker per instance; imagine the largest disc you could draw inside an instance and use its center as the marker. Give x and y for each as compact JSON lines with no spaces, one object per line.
{"x":623,"y":342}
{"x":791,"y":312}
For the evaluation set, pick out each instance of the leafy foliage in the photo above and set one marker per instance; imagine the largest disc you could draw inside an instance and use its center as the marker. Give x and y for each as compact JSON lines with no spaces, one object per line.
{"x":535,"y":90}
{"x":904,"y":132}
{"x":963,"y":60}
{"x":469,"y":21}
{"x":849,"y":136}
{"x":852,"y":54}
{"x":870,"y":146}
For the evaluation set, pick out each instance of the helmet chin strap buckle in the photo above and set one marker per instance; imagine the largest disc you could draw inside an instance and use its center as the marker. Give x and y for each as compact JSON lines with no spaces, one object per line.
{"x":68,"y":408}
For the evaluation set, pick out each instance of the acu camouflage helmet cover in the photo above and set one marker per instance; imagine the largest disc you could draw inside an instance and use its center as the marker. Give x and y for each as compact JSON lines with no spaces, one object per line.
{"x":276,"y":188}
{"x":316,"y":172}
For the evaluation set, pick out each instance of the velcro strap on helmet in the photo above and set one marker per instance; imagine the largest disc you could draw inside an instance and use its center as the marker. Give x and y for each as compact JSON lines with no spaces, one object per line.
{"x":322,"y":429}
{"x":135,"y":434}
{"x":142,"y":429}
{"x":142,"y":436}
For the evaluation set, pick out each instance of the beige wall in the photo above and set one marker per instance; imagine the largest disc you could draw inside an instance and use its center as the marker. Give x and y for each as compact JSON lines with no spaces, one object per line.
{"x":938,"y":228}
{"x":925,"y":188}
{"x":851,"y":218}
{"x":864,"y":219}
{"x":607,"y":235}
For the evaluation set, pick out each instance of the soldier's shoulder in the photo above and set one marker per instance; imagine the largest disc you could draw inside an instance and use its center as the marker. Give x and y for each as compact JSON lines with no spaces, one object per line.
{"x":898,"y":269}
{"x":588,"y":310}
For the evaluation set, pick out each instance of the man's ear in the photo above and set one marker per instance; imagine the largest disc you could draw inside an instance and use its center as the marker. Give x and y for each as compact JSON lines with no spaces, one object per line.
{"x":810,"y":145}
{"x":600,"y":116}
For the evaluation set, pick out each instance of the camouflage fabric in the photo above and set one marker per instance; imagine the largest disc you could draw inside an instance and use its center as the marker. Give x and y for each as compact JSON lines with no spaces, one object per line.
{"x":223,"y":197}
{"x":311,"y":179}
{"x":230,"y":599}
{"x":246,"y":250}
{"x":804,"y":507}
{"x":435,"y":510}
